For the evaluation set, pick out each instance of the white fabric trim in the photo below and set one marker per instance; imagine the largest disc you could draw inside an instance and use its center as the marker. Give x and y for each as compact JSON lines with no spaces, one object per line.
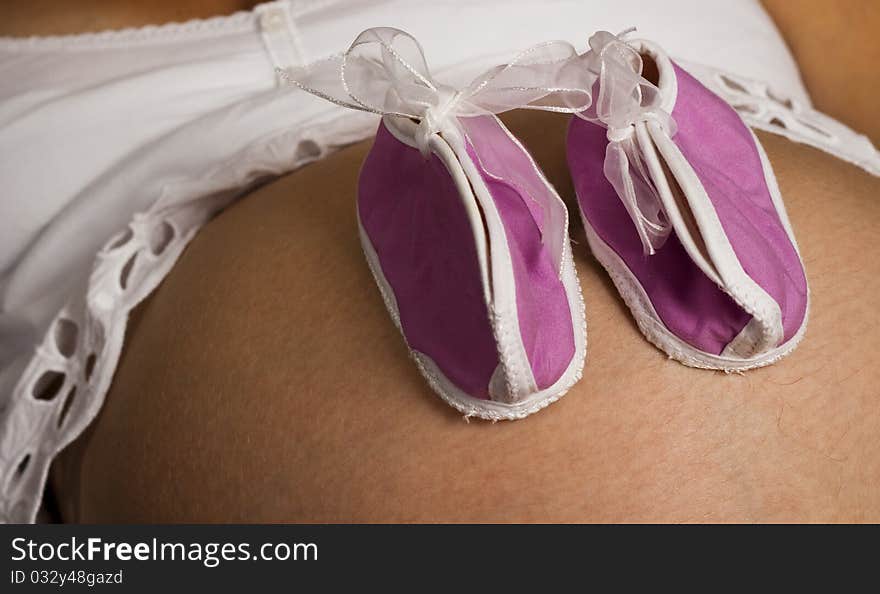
{"x":503,"y":311}
{"x":493,"y":254}
{"x":513,"y":388}
{"x":404,"y":131}
{"x":658,"y":334}
{"x":101,"y":312}
{"x":279,"y":34}
{"x":723,"y":265}
{"x":728,"y":272}
{"x":449,"y":392}
{"x":758,"y":343}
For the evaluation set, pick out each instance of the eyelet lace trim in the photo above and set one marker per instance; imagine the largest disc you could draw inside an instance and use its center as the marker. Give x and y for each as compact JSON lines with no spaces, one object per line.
{"x":63,"y":387}
{"x":764,"y":108}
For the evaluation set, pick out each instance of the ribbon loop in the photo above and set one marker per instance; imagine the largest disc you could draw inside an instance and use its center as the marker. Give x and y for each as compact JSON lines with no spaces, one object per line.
{"x":624,"y":99}
{"x":384,"y":71}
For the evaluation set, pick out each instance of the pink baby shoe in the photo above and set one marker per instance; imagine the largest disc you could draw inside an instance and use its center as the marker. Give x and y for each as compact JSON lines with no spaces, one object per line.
{"x":681,"y":207}
{"x":466,"y":239}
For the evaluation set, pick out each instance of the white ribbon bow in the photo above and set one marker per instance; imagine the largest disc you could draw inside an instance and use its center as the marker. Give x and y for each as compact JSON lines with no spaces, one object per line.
{"x":384,"y":71}
{"x":624,"y":99}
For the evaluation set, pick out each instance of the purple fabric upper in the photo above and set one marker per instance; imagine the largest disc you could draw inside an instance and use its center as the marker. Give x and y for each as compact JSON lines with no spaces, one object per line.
{"x":520,"y":196}
{"x":412,"y":213}
{"x":730,"y":169}
{"x":723,"y":154}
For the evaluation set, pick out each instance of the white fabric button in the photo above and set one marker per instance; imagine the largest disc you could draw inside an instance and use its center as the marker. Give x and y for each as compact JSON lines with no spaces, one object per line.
{"x":272,"y":20}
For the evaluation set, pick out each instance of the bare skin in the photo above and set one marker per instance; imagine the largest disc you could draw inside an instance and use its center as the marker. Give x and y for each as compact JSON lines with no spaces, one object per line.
{"x":837,"y":49}
{"x":63,"y":17}
{"x":263,"y":381}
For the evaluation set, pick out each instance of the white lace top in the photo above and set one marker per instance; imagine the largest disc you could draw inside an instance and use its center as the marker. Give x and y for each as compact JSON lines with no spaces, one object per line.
{"x":118,"y":146}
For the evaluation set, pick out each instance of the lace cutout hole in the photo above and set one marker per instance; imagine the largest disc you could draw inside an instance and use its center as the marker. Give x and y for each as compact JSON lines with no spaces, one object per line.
{"x":125,"y":274}
{"x":121,"y":239}
{"x":308,"y":150}
{"x":732,"y":84}
{"x":65,"y":336}
{"x":65,"y":408}
{"x":48,"y":385}
{"x":783,"y":101}
{"x":778,"y":123}
{"x":22,"y":467}
{"x":90,"y":365}
{"x":161,"y":237}
{"x":746,"y":108}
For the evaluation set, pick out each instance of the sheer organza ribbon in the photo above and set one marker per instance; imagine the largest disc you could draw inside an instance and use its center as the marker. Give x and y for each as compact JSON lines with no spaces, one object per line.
{"x":625,"y":98}
{"x":384,"y":71}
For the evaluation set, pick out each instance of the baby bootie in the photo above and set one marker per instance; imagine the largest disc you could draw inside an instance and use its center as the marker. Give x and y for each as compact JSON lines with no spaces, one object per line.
{"x":466,"y":239}
{"x":681,"y":207}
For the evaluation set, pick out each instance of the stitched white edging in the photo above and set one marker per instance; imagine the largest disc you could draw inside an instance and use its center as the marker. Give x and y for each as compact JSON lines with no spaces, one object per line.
{"x":723,"y":266}
{"x":503,"y":309}
{"x":452,"y":395}
{"x":776,"y":195}
{"x":782,"y":213}
{"x":493,"y":257}
{"x":513,"y":360}
{"x":731,"y":277}
{"x":764,"y":332}
{"x":567,"y":271}
{"x":658,"y":334}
